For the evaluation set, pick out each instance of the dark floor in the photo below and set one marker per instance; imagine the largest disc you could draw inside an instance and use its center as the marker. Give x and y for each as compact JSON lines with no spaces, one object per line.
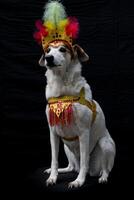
{"x":29,"y":180}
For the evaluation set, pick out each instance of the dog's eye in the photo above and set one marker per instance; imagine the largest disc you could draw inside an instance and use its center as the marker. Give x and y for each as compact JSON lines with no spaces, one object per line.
{"x":62,"y":49}
{"x":48,"y":50}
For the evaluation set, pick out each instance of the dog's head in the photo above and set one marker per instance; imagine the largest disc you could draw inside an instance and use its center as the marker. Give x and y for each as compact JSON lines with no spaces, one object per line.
{"x":60,"y":56}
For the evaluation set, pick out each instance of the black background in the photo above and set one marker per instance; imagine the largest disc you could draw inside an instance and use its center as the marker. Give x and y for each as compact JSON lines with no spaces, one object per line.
{"x":107,"y":35}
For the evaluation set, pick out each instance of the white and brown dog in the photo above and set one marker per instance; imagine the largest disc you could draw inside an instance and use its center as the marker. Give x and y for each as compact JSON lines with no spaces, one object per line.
{"x":87,"y":142}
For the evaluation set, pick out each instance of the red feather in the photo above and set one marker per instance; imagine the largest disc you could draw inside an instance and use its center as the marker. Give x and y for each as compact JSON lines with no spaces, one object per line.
{"x":38,"y":24}
{"x":41,"y":31}
{"x":72,"y":27}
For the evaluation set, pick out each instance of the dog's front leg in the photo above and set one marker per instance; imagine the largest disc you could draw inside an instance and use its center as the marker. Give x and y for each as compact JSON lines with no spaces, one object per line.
{"x":84,"y":160}
{"x":54,"y":139}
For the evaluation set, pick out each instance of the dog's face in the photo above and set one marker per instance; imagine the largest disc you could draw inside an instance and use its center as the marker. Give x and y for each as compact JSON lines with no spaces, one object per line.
{"x":59,"y":57}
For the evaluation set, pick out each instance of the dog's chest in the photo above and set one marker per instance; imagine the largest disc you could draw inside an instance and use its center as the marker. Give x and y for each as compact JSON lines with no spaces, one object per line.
{"x":57,"y":86}
{"x":55,"y":90}
{"x":67,"y":131}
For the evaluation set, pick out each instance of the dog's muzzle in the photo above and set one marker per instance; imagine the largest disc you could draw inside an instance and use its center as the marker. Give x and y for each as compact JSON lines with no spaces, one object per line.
{"x":50,"y":61}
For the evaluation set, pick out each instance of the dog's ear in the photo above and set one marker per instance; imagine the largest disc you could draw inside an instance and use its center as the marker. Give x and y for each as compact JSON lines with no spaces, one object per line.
{"x":42,"y":60}
{"x":78,"y":51}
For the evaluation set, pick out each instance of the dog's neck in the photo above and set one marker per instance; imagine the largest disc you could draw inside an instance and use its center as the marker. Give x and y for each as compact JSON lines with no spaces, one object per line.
{"x":68,"y":82}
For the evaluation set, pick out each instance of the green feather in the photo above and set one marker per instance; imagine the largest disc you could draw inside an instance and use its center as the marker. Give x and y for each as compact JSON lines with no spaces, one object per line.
{"x":54,"y":12}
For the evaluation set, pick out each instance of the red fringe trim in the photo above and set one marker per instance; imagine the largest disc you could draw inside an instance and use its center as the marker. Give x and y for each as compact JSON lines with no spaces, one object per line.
{"x":65,"y":118}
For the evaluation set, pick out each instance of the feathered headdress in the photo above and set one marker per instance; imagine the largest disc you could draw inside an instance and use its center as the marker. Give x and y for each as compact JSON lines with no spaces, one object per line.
{"x":56,"y":26}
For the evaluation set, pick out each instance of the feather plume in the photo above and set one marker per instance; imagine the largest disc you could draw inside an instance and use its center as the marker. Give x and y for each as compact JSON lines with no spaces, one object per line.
{"x":49,"y":25}
{"x":62,"y":24}
{"x":54,"y":12}
{"x":72,"y":27}
{"x":41,"y":31}
{"x":56,"y":25}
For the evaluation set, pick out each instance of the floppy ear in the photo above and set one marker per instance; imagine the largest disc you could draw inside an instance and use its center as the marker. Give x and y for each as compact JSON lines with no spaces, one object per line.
{"x":83,"y":57}
{"x":42,"y":60}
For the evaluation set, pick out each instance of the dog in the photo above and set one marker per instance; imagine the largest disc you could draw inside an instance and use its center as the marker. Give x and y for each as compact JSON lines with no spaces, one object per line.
{"x":87,"y":143}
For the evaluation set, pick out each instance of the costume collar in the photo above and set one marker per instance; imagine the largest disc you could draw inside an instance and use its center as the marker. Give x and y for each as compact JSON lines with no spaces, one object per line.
{"x":61,"y":111}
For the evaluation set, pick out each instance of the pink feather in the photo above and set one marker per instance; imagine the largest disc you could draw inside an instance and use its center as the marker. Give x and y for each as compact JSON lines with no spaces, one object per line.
{"x":41,"y":31}
{"x":38,"y":24}
{"x":72,"y":27}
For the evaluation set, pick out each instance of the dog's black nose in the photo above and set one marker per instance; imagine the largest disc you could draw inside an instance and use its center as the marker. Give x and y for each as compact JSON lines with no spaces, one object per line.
{"x":50,"y":60}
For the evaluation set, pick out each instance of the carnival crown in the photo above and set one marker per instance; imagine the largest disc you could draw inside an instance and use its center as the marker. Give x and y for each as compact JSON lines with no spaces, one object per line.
{"x":56,"y":26}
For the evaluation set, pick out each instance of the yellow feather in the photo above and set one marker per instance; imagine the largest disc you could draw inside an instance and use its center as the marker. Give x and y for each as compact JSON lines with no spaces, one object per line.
{"x":49,"y":25}
{"x":62,"y":24}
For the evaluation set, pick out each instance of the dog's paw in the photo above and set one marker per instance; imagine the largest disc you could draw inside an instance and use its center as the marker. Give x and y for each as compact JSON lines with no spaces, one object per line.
{"x":75,"y":184}
{"x":104,"y":177}
{"x":51,"y":180}
{"x":48,"y":171}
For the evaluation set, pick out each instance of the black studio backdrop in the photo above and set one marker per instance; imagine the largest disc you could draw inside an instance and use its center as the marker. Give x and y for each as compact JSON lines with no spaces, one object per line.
{"x":107,"y":35}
